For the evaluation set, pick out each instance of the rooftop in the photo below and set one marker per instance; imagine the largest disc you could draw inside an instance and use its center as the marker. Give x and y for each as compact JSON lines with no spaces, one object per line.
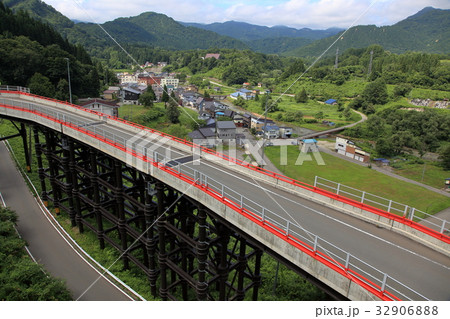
{"x":224,"y":125}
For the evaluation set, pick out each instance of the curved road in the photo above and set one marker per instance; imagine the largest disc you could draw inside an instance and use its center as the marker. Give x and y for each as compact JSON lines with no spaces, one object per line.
{"x":45,"y":243}
{"x":409,"y":262}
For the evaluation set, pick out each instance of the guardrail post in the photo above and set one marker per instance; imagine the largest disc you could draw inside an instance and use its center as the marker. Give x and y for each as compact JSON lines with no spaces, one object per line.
{"x":362,"y":197}
{"x":443,"y":226}
{"x":287,"y":228}
{"x":347,"y":261}
{"x":338,"y":188}
{"x":406,"y":210}
{"x":383,"y":285}
{"x":263,"y":214}
{"x":316,"y":240}
{"x":315,"y":181}
{"x":412,"y":213}
{"x":389,"y":207}
{"x":242,"y":202}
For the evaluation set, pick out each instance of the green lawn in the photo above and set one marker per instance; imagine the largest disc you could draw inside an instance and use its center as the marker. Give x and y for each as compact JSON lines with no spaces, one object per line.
{"x":429,"y":173}
{"x":359,"y":177}
{"x":139,"y":114}
{"x":309,"y":110}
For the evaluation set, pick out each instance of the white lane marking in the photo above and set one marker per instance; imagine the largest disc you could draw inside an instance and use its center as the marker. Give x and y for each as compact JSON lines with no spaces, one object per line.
{"x":47,"y":213}
{"x":329,"y":217}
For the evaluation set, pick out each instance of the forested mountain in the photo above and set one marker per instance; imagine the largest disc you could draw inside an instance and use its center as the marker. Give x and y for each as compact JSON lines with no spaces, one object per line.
{"x":426,"y":31}
{"x":33,"y":54}
{"x":249,"y":32}
{"x":149,"y":28}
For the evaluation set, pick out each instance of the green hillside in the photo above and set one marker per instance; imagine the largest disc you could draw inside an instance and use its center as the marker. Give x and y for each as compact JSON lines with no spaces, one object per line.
{"x":149,"y":28}
{"x":427,"y":31}
{"x":33,"y":54}
{"x":250,"y":32}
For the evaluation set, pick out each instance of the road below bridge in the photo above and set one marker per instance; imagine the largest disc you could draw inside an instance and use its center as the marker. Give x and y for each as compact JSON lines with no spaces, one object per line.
{"x":46,"y":244}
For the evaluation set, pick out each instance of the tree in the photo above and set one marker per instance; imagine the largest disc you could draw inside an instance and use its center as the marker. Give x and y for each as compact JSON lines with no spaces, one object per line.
{"x":297,"y":68}
{"x":384,"y":147}
{"x":147,"y":97}
{"x":301,"y":97}
{"x":375,"y":126}
{"x":376,"y":92}
{"x":165,"y":97}
{"x":173,"y":112}
{"x":272,"y":106}
{"x":41,"y":85}
{"x":20,"y":278}
{"x":62,"y":90}
{"x":444,"y":155}
{"x":402,"y":89}
{"x":319,"y":115}
{"x":240,"y":102}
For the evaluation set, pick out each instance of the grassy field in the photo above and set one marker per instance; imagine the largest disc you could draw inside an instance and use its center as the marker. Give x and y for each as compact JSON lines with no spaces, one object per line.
{"x":142,"y":115}
{"x":359,"y":177}
{"x":309,"y":110}
{"x":429,"y":173}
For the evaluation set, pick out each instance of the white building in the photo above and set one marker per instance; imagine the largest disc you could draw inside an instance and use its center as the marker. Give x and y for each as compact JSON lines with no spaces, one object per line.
{"x":170,"y":81}
{"x":349,"y":149}
{"x":126,"y":78}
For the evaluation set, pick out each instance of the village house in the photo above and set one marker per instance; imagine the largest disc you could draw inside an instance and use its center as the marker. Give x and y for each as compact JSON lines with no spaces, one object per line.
{"x":102,"y":106}
{"x":286,"y":132}
{"x":243,"y":93}
{"x":127,"y":78}
{"x":149,"y":79}
{"x":271,"y":131}
{"x":247,"y":120}
{"x":130,"y":95}
{"x":238,"y":120}
{"x":112,"y":93}
{"x":226,"y":130}
{"x":212,"y":55}
{"x":203,"y":136}
{"x":170,"y":81}
{"x":349,"y":149}
{"x":308,"y":145}
{"x":258,"y":123}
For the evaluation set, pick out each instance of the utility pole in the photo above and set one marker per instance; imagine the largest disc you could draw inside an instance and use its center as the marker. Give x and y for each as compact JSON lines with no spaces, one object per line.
{"x":264,"y":128}
{"x":337,"y":59}
{"x":68,"y":76}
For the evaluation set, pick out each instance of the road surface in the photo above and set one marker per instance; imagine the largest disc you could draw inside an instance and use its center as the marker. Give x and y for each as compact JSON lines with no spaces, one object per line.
{"x":46,"y":244}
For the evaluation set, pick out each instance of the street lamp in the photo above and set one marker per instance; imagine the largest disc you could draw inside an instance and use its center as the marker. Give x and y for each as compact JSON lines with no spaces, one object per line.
{"x":264,"y":128}
{"x":68,"y":75}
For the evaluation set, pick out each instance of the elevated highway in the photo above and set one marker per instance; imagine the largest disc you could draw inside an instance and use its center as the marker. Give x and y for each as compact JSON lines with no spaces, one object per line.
{"x":358,"y":251}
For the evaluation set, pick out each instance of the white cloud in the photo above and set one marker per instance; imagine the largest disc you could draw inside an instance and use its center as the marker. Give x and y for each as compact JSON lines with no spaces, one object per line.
{"x":317,"y":14}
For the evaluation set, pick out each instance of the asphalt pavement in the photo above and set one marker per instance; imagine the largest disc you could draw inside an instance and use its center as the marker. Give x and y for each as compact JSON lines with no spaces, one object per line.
{"x":45,"y":243}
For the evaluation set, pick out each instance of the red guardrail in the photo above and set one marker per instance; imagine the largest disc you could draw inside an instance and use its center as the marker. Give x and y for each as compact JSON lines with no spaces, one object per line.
{"x":371,"y":209}
{"x":324,"y":259}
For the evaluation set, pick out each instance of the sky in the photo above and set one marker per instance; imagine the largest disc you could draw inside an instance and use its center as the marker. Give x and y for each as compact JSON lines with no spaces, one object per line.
{"x":315,"y":14}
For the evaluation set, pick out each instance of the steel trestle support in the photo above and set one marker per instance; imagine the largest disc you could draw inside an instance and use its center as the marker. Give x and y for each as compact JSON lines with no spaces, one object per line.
{"x":184,"y":250}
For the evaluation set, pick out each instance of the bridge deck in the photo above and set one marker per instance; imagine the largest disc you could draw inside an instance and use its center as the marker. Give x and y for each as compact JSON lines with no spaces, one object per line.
{"x":377,"y":250}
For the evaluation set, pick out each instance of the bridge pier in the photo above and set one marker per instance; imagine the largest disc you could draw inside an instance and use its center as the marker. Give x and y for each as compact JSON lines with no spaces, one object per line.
{"x":185,"y":250}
